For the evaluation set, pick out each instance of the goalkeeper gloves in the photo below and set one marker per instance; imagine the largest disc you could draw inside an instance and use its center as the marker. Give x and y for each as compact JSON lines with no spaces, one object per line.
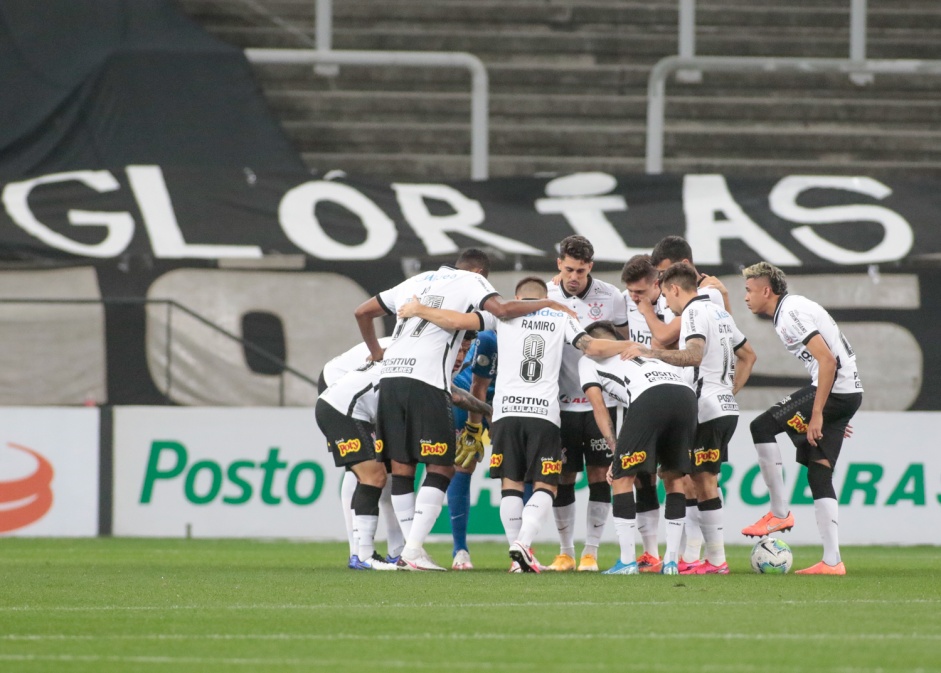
{"x":469,"y":445}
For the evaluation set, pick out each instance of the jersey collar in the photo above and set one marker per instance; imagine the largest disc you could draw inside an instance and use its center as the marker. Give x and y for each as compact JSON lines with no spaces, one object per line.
{"x":698,"y":297}
{"x":777,"y":309}
{"x":582,"y":294}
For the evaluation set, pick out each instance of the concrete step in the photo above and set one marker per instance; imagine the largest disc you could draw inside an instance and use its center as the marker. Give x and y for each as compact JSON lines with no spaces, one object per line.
{"x":395,"y":107}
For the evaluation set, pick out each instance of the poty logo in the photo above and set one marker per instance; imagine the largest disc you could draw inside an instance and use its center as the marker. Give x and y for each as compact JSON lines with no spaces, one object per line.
{"x":351,"y":446}
{"x":438,"y":449}
{"x":632,"y":459}
{"x":798,"y":423}
{"x":551,"y":467}
{"x":26,"y":500}
{"x":706,"y":456}
{"x":379,"y":446}
{"x":496,"y":460}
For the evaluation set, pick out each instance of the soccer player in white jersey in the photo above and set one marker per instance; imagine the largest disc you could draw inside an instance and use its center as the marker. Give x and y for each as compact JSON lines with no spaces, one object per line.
{"x":722,"y":361}
{"x":527,"y":444}
{"x":583,"y":447}
{"x":815,"y":417}
{"x":659,"y":429}
{"x":668,"y":251}
{"x":332,"y":372}
{"x":414,"y":418}
{"x":642,"y":286}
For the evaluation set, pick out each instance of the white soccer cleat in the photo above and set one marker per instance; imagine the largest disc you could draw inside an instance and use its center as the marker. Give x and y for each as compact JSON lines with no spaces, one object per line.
{"x":417,"y":561}
{"x":376,"y":562}
{"x":524,"y":556}
{"x":462,"y":561}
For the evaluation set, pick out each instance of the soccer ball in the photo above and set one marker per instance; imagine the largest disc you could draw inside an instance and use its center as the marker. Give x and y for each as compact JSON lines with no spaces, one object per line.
{"x":771,"y":556}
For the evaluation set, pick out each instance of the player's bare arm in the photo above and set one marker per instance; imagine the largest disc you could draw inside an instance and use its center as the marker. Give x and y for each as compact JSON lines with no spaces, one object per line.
{"x":469,"y":403}
{"x":601,"y":348}
{"x":506,"y":309}
{"x":478,"y":388}
{"x":442,"y":317}
{"x":365,"y":314}
{"x":826,"y":375}
{"x":745,"y":358}
{"x":691,"y":356}
{"x":666,"y":333}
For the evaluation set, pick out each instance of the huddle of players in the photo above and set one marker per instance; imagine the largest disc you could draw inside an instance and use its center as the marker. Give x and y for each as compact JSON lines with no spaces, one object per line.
{"x":551,"y":413}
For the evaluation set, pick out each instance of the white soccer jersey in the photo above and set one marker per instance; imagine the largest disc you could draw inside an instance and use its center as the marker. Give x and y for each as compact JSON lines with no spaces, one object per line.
{"x":797,"y":320}
{"x":531,"y":350}
{"x":355,"y":357}
{"x":637,"y":323}
{"x":710,"y":292}
{"x":419,"y":349}
{"x":599,"y":301}
{"x":626,"y":380}
{"x":356,"y":393}
{"x":714,"y":377}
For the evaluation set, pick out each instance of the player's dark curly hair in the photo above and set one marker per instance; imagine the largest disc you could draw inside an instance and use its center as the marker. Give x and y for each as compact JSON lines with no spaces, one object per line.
{"x":776,"y":278}
{"x":577,"y":247}
{"x":474,"y":258}
{"x":673,"y":248}
{"x":638,"y":268}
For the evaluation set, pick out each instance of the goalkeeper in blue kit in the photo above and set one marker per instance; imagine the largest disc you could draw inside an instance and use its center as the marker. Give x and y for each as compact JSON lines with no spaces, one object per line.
{"x":477,"y":377}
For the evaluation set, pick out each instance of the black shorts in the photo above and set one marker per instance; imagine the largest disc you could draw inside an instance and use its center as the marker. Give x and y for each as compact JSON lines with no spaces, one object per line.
{"x":711,"y":447}
{"x":526,"y":449}
{"x":415,"y":422}
{"x":659,"y":429}
{"x":793,"y":413}
{"x":582,"y":442}
{"x":321,"y":383}
{"x":349,"y":440}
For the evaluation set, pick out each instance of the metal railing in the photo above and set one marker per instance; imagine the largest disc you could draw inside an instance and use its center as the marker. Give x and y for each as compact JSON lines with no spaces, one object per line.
{"x":283,"y":368}
{"x":656,"y":86}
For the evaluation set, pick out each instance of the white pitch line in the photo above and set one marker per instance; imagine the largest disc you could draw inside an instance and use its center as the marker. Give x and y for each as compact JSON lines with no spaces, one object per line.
{"x":470,"y":636}
{"x":451,"y":606}
{"x":411,"y":664}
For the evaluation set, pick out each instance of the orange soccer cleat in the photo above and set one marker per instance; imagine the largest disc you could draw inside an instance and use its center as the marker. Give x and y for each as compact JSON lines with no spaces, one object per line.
{"x":823,"y":569}
{"x":768,"y":524}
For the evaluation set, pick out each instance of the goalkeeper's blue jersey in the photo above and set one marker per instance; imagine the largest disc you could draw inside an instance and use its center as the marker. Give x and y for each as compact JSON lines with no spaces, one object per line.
{"x":481,"y":360}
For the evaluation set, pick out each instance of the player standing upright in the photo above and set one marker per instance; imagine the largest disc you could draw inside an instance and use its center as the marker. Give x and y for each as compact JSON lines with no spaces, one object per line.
{"x":712,"y":344}
{"x":815,"y":417}
{"x":414,"y":421}
{"x":583,"y":446}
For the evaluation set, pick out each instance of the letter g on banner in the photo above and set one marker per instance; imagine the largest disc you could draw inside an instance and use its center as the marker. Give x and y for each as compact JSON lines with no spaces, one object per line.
{"x":298,"y":218}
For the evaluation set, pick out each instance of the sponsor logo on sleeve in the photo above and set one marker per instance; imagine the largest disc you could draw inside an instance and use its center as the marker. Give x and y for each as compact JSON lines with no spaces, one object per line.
{"x":436,"y":449}
{"x":630,"y":460}
{"x":346,"y":447}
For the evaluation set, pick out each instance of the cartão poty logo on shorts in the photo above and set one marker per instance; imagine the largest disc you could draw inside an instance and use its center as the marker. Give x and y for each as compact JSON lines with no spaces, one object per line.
{"x":438,"y":449}
{"x":798,"y":423}
{"x":632,"y":459}
{"x":706,"y":456}
{"x":551,"y":467}
{"x":496,"y":460}
{"x":26,"y":500}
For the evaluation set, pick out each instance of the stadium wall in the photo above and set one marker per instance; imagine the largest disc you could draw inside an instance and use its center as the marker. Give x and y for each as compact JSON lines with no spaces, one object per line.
{"x":266,"y":473}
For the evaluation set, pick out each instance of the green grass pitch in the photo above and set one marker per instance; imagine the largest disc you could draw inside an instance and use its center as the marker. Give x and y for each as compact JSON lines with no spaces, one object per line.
{"x":125,"y":605}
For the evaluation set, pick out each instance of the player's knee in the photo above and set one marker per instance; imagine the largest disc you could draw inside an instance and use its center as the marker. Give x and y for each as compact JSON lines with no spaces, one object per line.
{"x":599,"y":491}
{"x":402,"y":484}
{"x":763,"y":429}
{"x":565,"y":495}
{"x":820,"y":479}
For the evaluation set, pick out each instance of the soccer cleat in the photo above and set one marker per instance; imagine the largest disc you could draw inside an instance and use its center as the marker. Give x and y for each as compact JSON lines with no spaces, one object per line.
{"x":688,"y":567}
{"x":768,"y":524}
{"x":588,"y":564}
{"x":706,"y":568}
{"x":561,"y":564}
{"x":353,"y":563}
{"x":377,"y":562}
{"x":669,"y":568}
{"x":515,"y":568}
{"x":392,"y":559}
{"x":823,"y":569}
{"x":648,"y":563}
{"x":417,"y":561}
{"x":622,"y":569}
{"x":462,"y":561}
{"x":524,"y":556}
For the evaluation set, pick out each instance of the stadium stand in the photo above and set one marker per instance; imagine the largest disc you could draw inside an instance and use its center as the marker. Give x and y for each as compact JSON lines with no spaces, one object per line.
{"x":568,"y":86}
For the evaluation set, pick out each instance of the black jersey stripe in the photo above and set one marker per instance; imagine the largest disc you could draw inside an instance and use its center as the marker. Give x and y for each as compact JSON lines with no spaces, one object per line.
{"x":355,"y":399}
{"x":383,"y":305}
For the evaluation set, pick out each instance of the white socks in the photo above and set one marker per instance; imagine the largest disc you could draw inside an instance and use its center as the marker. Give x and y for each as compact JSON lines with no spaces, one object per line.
{"x":511,"y":514}
{"x":597,"y":517}
{"x":347,"y":488}
{"x":694,"y":535}
{"x":428,"y":504}
{"x":829,"y":527}
{"x":404,"y":507}
{"x":625,"y":530}
{"x":366,"y":531}
{"x":394,"y":536}
{"x":772,"y":471}
{"x":648,"y":524}
{"x":565,"y":523}
{"x":534,"y":514}
{"x":674,"y":533}
{"x":712,"y":522}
